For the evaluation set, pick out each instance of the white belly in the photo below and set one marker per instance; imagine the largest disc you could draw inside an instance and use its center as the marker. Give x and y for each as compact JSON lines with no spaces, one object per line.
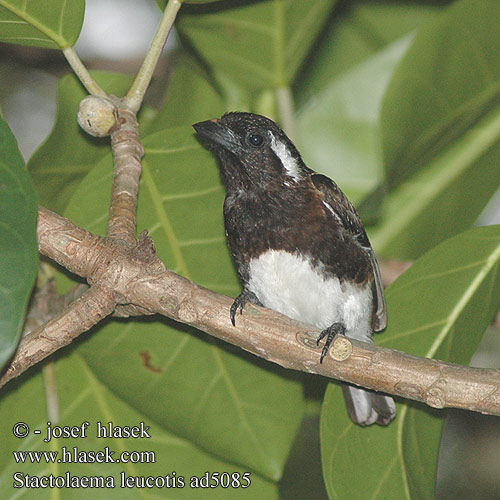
{"x":290,"y":285}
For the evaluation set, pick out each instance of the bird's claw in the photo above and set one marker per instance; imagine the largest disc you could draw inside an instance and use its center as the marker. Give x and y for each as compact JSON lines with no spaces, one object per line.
{"x":330,"y":333}
{"x":241,"y":301}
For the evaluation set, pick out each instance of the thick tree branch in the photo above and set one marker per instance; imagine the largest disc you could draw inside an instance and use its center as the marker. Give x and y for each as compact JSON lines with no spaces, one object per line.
{"x":136,"y":276}
{"x":288,"y":343}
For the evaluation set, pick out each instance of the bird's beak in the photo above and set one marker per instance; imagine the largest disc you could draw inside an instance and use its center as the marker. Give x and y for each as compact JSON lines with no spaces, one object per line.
{"x":216,"y":133}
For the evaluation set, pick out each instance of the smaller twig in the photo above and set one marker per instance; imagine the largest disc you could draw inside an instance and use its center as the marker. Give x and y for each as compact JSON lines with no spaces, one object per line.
{"x":111,"y":116}
{"x":78,"y":317}
{"x":101,"y":261}
{"x":44,"y":305}
{"x":127,"y":153}
{"x":136,"y":93}
{"x":82,"y":73}
{"x":117,"y":117}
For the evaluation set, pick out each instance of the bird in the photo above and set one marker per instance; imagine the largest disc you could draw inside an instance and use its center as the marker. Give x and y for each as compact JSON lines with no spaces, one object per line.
{"x":297,"y":242}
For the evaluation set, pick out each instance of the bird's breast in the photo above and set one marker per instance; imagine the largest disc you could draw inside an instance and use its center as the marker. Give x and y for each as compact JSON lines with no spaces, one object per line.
{"x":290,"y":284}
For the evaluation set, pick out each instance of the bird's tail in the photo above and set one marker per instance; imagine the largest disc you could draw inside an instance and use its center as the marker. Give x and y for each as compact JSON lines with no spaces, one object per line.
{"x":367,"y":407}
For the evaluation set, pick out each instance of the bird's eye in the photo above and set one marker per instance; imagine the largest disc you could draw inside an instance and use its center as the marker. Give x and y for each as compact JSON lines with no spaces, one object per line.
{"x":256,"y":140}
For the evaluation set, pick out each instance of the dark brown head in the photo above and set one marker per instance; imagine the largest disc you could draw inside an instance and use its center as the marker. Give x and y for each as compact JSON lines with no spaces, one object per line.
{"x":253,"y":151}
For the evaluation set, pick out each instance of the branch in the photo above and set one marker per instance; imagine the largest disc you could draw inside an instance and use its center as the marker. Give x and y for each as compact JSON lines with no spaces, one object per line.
{"x":138,"y":277}
{"x":101,"y":115}
{"x":62,"y":329}
{"x":290,"y":344}
{"x":127,"y":153}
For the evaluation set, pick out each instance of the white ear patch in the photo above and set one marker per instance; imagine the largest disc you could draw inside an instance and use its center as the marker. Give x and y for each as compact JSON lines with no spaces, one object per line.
{"x":288,"y":161}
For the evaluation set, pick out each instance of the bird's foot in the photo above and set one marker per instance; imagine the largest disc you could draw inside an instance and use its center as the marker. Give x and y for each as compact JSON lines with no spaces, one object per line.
{"x":330,"y":333}
{"x":241,"y":301}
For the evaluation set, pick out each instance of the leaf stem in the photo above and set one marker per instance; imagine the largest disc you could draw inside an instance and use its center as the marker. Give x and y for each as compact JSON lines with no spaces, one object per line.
{"x":136,"y":93}
{"x":82,"y":73}
{"x":51,"y":393}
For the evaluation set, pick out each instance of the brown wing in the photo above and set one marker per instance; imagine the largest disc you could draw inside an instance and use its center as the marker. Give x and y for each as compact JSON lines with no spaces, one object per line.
{"x":344,"y":212}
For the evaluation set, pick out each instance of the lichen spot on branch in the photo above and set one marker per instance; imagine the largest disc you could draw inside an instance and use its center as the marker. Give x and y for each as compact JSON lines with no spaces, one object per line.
{"x":341,"y":348}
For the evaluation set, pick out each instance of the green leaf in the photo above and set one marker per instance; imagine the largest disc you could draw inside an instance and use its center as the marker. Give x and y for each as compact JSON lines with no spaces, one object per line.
{"x":260,"y":44}
{"x":443,"y":198}
{"x":356,"y":33}
{"x":441,"y":131}
{"x":18,"y":246}
{"x":434,"y":98}
{"x":190,"y":98}
{"x":82,"y":398}
{"x":52,"y":24}
{"x":69,"y":153}
{"x":223,"y":401}
{"x":338,"y":129}
{"x":439,"y":308}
